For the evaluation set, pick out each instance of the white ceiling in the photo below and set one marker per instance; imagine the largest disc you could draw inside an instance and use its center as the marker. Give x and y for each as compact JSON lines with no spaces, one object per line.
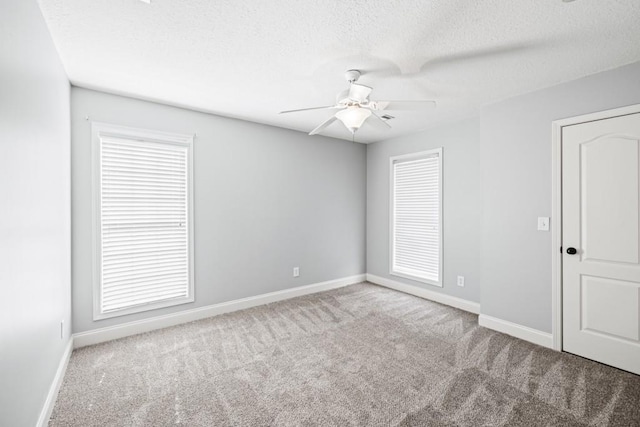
{"x":251,"y":59}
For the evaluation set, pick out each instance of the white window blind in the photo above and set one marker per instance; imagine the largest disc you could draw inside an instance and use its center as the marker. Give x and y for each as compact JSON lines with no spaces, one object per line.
{"x":416,"y":216}
{"x":144,"y":223}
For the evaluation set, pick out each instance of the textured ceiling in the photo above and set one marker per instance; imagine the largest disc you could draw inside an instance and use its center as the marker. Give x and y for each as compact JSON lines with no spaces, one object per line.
{"x":251,"y":59}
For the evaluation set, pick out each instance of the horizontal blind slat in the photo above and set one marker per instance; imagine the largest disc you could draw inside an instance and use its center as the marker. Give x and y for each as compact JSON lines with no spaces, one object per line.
{"x":141,"y":278}
{"x":135,"y":158}
{"x":123,"y":176}
{"x":124,"y":145}
{"x":418,"y":259}
{"x":144,"y":293}
{"x":123,"y":289}
{"x":144,"y":249}
{"x":161,"y":281}
{"x":127,"y":295}
{"x":127,"y":262}
{"x":121,"y":246}
{"x":147,"y":253}
{"x":119,"y":240}
{"x":114,"y":270}
{"x":139,"y":172}
{"x":124,"y":234}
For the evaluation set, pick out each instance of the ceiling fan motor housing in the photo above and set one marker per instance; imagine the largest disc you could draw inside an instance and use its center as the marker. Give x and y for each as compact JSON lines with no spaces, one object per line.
{"x":343,"y":97}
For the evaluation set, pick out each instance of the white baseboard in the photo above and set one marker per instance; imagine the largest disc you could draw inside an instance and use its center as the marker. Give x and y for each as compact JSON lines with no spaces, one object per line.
{"x":462,"y":304}
{"x":52,"y":396}
{"x":526,"y":333}
{"x":97,"y":336}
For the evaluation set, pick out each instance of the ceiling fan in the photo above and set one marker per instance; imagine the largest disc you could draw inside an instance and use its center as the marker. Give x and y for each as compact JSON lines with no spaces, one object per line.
{"x":354,"y":107}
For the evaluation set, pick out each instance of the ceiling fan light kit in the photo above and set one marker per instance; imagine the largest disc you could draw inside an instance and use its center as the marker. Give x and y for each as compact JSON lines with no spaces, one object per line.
{"x":353,"y":117}
{"x":355,"y":107}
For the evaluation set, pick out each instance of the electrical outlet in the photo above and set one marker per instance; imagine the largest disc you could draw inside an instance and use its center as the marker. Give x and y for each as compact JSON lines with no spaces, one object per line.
{"x":461,"y":281}
{"x":62,"y":329}
{"x":296,"y":271}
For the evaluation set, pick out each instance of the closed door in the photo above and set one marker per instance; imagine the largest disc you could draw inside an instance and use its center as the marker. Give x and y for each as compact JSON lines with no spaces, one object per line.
{"x":601,"y":249}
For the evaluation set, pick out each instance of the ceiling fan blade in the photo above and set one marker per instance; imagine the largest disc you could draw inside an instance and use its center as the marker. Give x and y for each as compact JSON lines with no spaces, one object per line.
{"x":405,"y":105}
{"x":309,"y":109}
{"x":323,"y":125}
{"x":458,"y":59}
{"x":377,"y":122}
{"x":358,"y":92}
{"x":489,"y":54}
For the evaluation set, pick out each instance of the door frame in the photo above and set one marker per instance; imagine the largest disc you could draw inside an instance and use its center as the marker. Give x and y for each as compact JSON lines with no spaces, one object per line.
{"x":556,"y":208}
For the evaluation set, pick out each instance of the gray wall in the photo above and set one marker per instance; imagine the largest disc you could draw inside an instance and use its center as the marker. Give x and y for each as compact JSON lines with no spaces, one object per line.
{"x":497,"y":181}
{"x":516,"y":182}
{"x":34,"y":212}
{"x":462,"y":204}
{"x":266,"y":200}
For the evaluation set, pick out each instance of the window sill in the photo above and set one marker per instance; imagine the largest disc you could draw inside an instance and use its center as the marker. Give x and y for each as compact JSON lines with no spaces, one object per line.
{"x":416,"y":278}
{"x":143,"y":307}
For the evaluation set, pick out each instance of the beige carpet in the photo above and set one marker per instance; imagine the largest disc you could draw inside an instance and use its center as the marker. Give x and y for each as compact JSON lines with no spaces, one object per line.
{"x":361,"y":355}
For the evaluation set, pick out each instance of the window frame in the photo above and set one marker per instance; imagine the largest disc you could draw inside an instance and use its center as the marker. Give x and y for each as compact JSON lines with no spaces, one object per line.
{"x":406,"y":158}
{"x":98,"y":131}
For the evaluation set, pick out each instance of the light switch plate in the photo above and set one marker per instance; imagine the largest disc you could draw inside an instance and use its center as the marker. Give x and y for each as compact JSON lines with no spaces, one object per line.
{"x":543,"y":223}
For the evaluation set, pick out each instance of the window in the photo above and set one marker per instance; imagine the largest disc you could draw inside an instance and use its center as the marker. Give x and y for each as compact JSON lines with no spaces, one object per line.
{"x":416,"y":216}
{"x":143,"y":230}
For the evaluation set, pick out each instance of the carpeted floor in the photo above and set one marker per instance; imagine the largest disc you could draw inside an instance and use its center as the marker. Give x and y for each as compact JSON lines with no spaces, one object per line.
{"x":361,"y":355}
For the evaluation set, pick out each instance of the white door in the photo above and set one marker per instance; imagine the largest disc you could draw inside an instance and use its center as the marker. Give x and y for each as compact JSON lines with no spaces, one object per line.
{"x":601,"y":279}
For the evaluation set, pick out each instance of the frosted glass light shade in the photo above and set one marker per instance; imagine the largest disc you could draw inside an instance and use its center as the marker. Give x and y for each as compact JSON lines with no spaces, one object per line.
{"x":353,"y":117}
